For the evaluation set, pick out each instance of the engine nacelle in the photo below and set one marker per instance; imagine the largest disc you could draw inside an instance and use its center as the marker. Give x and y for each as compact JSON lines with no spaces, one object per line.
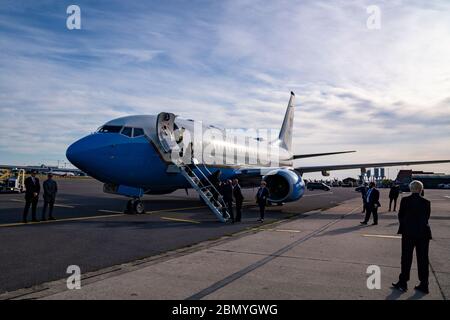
{"x":284,"y":185}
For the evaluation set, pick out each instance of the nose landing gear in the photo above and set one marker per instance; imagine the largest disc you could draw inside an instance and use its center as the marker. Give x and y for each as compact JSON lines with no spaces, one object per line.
{"x":135,"y":206}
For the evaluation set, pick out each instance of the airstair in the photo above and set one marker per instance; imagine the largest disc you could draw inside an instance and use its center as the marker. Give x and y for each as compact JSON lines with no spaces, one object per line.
{"x":191,"y":171}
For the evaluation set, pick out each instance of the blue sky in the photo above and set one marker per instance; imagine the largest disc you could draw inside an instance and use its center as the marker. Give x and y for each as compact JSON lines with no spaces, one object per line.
{"x":385,"y":93}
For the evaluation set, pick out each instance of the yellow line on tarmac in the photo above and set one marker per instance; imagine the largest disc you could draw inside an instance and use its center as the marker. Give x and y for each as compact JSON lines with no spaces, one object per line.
{"x":115,"y":214}
{"x":111,"y":211}
{"x":179,"y":220}
{"x":175,"y":209}
{"x":56,"y":204}
{"x":381,"y":236}
{"x":57,"y":220}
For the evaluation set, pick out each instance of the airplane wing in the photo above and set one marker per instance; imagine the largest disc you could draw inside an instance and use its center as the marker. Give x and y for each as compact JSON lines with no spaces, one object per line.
{"x":311,"y":155}
{"x":306,"y":169}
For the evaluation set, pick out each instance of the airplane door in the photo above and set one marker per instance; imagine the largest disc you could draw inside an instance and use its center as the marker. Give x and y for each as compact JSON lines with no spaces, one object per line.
{"x":165,"y":128}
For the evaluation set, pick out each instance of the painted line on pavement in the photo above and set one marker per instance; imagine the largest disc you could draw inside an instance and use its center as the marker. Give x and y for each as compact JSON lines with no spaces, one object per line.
{"x":381,"y":236}
{"x":179,"y":220}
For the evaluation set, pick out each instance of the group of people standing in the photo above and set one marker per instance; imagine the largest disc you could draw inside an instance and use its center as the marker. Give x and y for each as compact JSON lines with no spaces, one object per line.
{"x":33,"y":188}
{"x":231,"y":190}
{"x":413,"y":216}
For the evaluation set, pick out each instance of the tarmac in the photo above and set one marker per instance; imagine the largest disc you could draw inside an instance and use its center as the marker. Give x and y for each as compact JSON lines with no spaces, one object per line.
{"x":317,"y":254}
{"x":92,"y":232}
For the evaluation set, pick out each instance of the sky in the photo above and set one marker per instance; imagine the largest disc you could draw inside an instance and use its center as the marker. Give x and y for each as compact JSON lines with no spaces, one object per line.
{"x":384,"y":92}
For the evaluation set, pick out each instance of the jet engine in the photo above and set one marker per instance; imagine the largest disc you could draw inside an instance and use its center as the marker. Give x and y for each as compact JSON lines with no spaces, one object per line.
{"x":284,"y":185}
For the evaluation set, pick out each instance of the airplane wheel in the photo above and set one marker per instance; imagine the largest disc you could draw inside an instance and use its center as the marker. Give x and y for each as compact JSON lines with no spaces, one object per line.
{"x":138,"y":207}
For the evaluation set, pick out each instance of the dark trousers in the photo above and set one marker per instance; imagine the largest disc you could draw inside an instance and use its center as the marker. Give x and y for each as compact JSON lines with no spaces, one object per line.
{"x":262,"y":210}
{"x":238,"y":211}
{"x":33,"y":202}
{"x":421,"y":245}
{"x":50,"y":205}
{"x":395,"y":203}
{"x":371,"y":210}
{"x":364,"y":205}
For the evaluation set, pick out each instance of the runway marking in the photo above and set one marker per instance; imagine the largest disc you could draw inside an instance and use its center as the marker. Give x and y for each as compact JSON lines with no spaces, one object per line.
{"x":179,"y":220}
{"x":57,"y":220}
{"x":447,"y":197}
{"x":115,"y":214}
{"x":111,"y":211}
{"x":56,"y":204}
{"x":278,"y":230}
{"x":318,"y":194}
{"x":381,"y":236}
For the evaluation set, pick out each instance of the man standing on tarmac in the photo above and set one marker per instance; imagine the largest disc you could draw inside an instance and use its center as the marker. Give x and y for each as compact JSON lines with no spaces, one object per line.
{"x":413,"y":217}
{"x":33,"y":188}
{"x":238,"y":198}
{"x":372,"y":204}
{"x":50,"y":190}
{"x":393,"y":196}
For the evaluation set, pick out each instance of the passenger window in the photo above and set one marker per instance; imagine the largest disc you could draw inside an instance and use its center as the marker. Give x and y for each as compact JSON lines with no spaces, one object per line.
{"x":110,"y":129}
{"x":127,"y":131}
{"x":138,"y":132}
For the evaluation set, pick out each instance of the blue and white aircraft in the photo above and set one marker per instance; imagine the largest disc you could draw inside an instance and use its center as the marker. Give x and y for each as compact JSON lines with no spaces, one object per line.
{"x":133,"y":156}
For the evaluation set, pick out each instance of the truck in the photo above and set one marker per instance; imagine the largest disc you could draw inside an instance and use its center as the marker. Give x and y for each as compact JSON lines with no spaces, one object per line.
{"x":12,"y":180}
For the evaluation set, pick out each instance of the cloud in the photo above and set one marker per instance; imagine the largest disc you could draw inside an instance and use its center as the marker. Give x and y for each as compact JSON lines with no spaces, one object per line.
{"x":383,"y":92}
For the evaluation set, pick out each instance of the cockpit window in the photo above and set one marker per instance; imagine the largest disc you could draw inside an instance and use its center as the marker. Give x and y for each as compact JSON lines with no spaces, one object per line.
{"x":138,"y":132}
{"x":127,"y":131}
{"x":110,"y":129}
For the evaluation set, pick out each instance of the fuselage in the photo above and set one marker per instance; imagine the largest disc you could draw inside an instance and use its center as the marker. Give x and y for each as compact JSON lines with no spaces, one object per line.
{"x":127,"y":151}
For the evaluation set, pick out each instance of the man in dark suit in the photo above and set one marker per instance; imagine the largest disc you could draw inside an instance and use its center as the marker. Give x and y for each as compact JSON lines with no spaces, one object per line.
{"x":416,"y":233}
{"x":50,"y":189}
{"x":238,"y":198}
{"x":394,"y":192}
{"x":33,"y":188}
{"x":227,"y":193}
{"x":261,"y":199}
{"x":372,"y":204}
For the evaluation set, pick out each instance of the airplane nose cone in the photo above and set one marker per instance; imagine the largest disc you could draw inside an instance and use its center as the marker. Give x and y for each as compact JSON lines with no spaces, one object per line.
{"x":75,"y":154}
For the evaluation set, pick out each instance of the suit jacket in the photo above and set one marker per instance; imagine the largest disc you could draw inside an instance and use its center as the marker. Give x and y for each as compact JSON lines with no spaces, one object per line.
{"x":374,"y":198}
{"x":31,"y":187}
{"x":50,"y":190}
{"x":262,"y":195}
{"x":413,"y":217}
{"x":227,"y":192}
{"x":394,"y":192}
{"x":237,"y":193}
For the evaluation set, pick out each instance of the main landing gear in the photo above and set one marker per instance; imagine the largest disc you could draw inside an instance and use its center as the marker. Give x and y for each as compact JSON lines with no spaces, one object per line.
{"x":135,"y":206}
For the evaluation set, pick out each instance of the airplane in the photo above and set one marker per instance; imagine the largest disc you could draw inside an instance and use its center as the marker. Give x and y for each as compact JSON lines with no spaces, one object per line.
{"x":63,"y":173}
{"x":134,"y":155}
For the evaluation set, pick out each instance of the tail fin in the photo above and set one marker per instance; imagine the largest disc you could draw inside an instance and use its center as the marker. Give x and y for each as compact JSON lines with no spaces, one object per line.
{"x":285,"y":136}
